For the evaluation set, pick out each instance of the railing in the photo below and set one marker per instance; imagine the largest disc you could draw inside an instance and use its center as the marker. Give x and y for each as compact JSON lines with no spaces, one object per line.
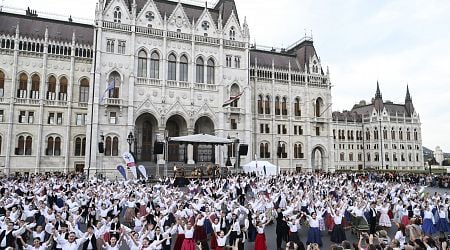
{"x":206,"y":39}
{"x":113,"y":102}
{"x":179,"y":35}
{"x":26,"y":101}
{"x":55,"y":103}
{"x":237,"y":44}
{"x":83,"y":104}
{"x":149,"y":31}
{"x":171,"y":83}
{"x":203,"y":86}
{"x":116,"y":26}
{"x":148,"y":81}
{"x":177,"y":84}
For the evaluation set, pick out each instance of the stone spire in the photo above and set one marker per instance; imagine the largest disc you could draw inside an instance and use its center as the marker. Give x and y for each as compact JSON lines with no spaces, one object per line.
{"x":409,"y":107}
{"x":378,"y":101}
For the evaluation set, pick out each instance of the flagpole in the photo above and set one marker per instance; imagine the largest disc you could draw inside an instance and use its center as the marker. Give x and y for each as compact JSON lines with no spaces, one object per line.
{"x":92,"y":104}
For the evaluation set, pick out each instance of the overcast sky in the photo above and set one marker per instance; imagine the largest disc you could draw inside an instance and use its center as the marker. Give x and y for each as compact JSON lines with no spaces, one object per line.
{"x":396,"y":42}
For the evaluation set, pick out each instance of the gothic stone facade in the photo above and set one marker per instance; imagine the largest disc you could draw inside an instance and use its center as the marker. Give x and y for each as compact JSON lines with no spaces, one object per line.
{"x":158,"y":69}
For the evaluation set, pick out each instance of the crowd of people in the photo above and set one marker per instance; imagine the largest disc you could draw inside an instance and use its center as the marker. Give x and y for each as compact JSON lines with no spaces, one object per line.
{"x":72,"y":212}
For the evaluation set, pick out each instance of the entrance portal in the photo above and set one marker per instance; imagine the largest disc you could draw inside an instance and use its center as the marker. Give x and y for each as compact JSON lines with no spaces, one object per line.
{"x":176,"y":126}
{"x":317,"y":159}
{"x":204,"y":153}
{"x":145,"y":133}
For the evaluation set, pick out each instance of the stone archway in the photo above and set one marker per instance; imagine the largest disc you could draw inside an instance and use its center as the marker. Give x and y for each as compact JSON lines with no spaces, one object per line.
{"x":204,"y":153}
{"x":176,"y":126}
{"x":318,"y":159}
{"x":146,"y":127}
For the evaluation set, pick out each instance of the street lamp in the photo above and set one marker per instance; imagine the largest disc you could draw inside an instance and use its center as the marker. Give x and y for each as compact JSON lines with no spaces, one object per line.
{"x":228,"y":162}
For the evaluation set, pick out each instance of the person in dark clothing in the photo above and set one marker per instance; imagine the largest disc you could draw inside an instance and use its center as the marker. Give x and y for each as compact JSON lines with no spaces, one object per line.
{"x":372,"y":218}
{"x":281,"y":229}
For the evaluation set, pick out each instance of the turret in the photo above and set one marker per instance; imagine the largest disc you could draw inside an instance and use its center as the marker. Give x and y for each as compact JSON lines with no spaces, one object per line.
{"x":378,"y":101}
{"x":409,"y":107}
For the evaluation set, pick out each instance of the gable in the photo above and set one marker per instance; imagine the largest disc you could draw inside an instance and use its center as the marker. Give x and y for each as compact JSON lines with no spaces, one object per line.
{"x":179,"y":20}
{"x":149,"y":16}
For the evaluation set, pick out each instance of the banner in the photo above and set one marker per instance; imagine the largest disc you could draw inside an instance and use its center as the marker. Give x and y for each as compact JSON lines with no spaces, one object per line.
{"x":121,"y":170}
{"x":129,"y":160}
{"x":143,"y":171}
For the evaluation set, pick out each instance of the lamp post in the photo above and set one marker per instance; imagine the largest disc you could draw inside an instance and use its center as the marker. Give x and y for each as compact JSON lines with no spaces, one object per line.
{"x":236,"y":151}
{"x":228,"y":162}
{"x":130,"y":140}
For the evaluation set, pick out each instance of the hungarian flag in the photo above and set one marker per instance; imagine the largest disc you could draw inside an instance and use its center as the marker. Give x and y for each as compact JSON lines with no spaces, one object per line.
{"x":232,"y":99}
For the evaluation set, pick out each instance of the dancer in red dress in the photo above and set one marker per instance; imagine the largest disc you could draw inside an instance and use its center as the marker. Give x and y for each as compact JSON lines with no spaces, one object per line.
{"x":260,"y":242}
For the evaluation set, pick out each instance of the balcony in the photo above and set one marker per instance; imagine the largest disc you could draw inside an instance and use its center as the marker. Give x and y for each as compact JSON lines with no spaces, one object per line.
{"x":206,"y":39}
{"x":320,"y":119}
{"x":26,"y":101}
{"x":82,"y":104}
{"x":55,"y":103}
{"x":179,"y":35}
{"x":204,"y":86}
{"x":113,"y":102}
{"x":149,"y":31}
{"x":235,"y":44}
{"x":148,"y":81}
{"x":116,"y":26}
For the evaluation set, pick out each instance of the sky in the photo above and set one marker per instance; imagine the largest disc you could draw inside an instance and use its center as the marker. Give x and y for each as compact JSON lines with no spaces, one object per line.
{"x":394,"y":42}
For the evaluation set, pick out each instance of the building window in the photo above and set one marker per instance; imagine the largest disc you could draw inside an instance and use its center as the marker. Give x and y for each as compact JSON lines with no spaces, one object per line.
{"x":282,"y":153}
{"x":408,"y":134}
{"x":341,"y":157}
{"x":121,"y":47}
{"x":23,"y":81}
{"x":30,"y":117}
{"x":284,"y":106}
{"x":142,"y":64}
{"x":264,"y":150}
{"x":260,"y":105}
{"x":415,"y":135}
{"x":63,"y":89}
{"x":350,"y":157}
{"x":267,"y":105}
{"x":80,"y":146}
{"x":298,"y":151}
{"x":318,"y":106}
{"x":154,"y":65}
{"x":84,"y":90}
{"x":35,"y":82}
{"x":1,"y":115}
{"x":317,"y":131}
{"x":51,"y":91}
{"x":51,"y":118}
{"x":22,"y":116}
{"x":110,"y":46}
{"x":80,"y":119}
{"x":114,"y":82}
{"x":232,"y":33}
{"x":199,"y":70}
{"x":24,"y":145}
{"x":400,"y":134}
{"x":112,"y":146}
{"x":2,"y":84}
{"x":112,"y":118}
{"x":297,"y":111}
{"x":117,"y":15}
{"x":172,"y":69}
{"x":210,"y":75}
{"x":59,"y":118}
{"x":228,"y":61}
{"x":237,"y":62}
{"x":53,"y":146}
{"x":233,"y":124}
{"x":277,"y":106}
{"x":183,"y":68}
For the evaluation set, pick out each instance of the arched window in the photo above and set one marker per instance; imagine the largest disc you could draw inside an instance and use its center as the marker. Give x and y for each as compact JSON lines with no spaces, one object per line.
{"x":350,"y":157}
{"x":2,"y":84}
{"x":298,"y":151}
{"x":142,"y":64}
{"x":183,"y":68}
{"x":392,"y":134}
{"x":234,"y":91}
{"x":23,"y":81}
{"x":117,"y":15}
{"x":297,"y":111}
{"x":408,"y":134}
{"x":264,"y":150}
{"x":277,"y":105}
{"x":415,"y":135}
{"x":341,"y":157}
{"x":57,"y":146}
{"x":172,"y":69}
{"x":154,"y":65}
{"x":385,"y":133}
{"x":50,"y":146}
{"x":318,"y":106}
{"x":112,"y":146}
{"x":63,"y":89}
{"x":232,"y":33}
{"x":1,"y":144}
{"x":199,"y":70}
{"x":375,"y":134}
{"x":51,"y":88}
{"x":267,"y":105}
{"x":35,"y":81}
{"x":108,"y":143}
{"x":284,"y":106}
{"x":115,"y":147}
{"x":210,"y":75}
{"x":28,"y":145}
{"x":260,"y":104}
{"x":20,"y":150}
{"x":282,"y":150}
{"x":84,"y":90}
{"x":80,"y":146}
{"x":114,"y":81}
{"x":367,"y":135}
{"x":400,"y":134}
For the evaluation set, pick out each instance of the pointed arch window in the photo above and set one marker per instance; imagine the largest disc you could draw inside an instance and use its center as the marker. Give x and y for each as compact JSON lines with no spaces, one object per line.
{"x":172,"y":69}
{"x":284,"y":106}
{"x":199,"y":70}
{"x":277,"y":106}
{"x":51,"y":91}
{"x":234,"y":91}
{"x":154,"y":65}
{"x":20,"y":146}
{"x":63,"y":89}
{"x":264,"y":150}
{"x":2,"y":83}
{"x":114,"y":82}
{"x":23,"y":81}
{"x":80,"y":146}
{"x":28,"y":145}
{"x":84,"y":90}
{"x":210,"y":75}
{"x":318,"y":106}
{"x":260,"y":105}
{"x":297,"y":111}
{"x":50,"y":145}
{"x":298,"y":151}
{"x":142,"y":64}
{"x":232,"y":33}
{"x":267,"y":105}
{"x":35,"y":82}
{"x":183,"y":68}
{"x":117,"y":15}
{"x":112,"y":146}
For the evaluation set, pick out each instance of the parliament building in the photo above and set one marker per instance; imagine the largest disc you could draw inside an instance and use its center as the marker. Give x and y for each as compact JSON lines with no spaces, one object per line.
{"x":149,"y":70}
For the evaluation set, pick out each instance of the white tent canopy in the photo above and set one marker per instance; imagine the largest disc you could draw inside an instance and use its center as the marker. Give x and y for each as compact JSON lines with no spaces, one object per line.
{"x":258,"y":168}
{"x":201,"y":139}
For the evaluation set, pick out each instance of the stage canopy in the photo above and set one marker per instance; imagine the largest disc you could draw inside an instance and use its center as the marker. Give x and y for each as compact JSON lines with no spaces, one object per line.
{"x":200,"y":139}
{"x":257,"y":167}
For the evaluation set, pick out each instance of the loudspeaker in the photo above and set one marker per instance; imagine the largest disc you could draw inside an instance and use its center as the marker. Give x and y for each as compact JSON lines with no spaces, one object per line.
{"x":279,"y":150}
{"x":101,"y":147}
{"x":159,"y":148}
{"x":243,"y":149}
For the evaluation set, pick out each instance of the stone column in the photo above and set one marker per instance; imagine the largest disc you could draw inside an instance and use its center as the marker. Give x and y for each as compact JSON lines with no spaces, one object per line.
{"x":190,"y":154}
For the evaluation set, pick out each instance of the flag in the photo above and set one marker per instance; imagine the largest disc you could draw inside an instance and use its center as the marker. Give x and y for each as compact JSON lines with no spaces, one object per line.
{"x":129,"y":159}
{"x":232,"y":99}
{"x":122,"y":171}
{"x":109,"y":86}
{"x":143,"y":171}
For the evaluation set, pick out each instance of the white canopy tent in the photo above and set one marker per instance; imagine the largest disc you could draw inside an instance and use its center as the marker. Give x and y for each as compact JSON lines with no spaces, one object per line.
{"x":258,"y":168}
{"x":200,"y":139}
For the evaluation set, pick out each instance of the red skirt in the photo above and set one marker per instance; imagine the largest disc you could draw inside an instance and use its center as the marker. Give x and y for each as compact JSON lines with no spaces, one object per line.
{"x":260,"y":242}
{"x":188,"y":244}
{"x":199,"y":233}
{"x":217,"y":248}
{"x":405,"y":220}
{"x":390,"y":214}
{"x":178,"y":242}
{"x":213,"y":242}
{"x":329,"y":222}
